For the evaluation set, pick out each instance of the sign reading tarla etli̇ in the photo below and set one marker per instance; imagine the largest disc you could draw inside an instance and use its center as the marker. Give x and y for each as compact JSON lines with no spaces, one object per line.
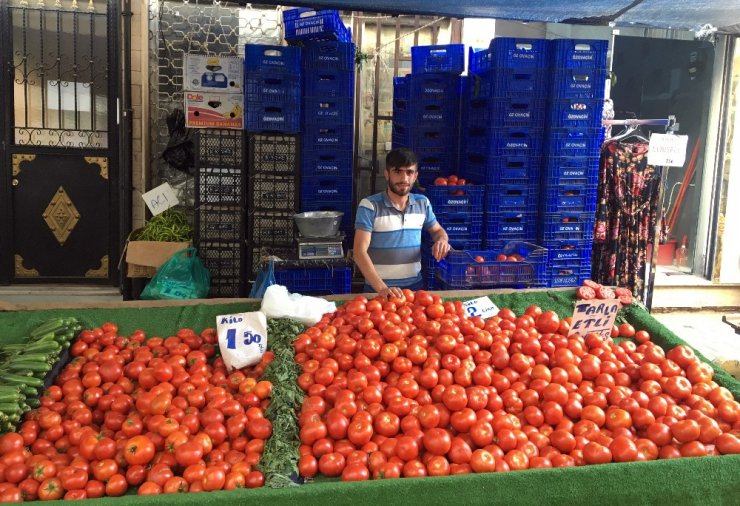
{"x":594,"y":316}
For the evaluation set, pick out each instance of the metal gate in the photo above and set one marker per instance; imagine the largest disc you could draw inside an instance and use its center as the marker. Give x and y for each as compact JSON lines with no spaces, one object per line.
{"x":59,"y":177}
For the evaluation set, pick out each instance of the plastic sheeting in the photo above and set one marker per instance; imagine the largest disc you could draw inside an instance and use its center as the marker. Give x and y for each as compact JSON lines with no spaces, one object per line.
{"x":678,"y":14}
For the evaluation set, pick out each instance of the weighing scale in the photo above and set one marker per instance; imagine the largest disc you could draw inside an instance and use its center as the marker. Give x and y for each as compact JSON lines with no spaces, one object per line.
{"x":321,"y":248}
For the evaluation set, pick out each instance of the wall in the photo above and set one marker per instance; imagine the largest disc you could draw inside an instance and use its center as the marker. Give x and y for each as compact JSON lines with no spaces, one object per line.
{"x":140,"y":105}
{"x":729,"y":260}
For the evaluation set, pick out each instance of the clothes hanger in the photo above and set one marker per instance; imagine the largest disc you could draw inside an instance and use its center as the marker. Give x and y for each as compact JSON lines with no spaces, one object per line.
{"x":632,"y":131}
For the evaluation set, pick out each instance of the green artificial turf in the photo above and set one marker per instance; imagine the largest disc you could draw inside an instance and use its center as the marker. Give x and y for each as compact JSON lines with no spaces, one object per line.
{"x":704,"y":481}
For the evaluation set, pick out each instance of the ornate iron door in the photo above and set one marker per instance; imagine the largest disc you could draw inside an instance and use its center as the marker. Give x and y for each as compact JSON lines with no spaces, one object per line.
{"x":60,"y":179}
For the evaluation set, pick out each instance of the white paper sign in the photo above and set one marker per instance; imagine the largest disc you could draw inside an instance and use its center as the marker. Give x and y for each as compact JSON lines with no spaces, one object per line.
{"x":482,"y":306}
{"x":594,"y":316}
{"x":242,"y":338}
{"x":161,"y":198}
{"x":213,"y":73}
{"x":666,"y":150}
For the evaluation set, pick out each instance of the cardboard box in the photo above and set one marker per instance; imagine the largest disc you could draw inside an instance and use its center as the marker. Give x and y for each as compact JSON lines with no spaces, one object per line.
{"x":214,"y":110}
{"x":143,"y":258}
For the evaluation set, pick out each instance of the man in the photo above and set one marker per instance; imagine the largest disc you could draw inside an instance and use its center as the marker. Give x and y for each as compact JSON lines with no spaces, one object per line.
{"x":388,"y":227}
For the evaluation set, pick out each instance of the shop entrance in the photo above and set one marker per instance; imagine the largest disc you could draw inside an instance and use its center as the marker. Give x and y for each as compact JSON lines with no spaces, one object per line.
{"x":59,"y":178}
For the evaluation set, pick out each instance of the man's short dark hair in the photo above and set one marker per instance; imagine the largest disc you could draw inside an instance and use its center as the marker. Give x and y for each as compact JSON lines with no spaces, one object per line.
{"x":400,"y":157}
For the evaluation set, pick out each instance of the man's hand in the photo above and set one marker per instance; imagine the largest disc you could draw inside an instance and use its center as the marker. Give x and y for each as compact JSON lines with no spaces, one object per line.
{"x":391,"y":291}
{"x":440,"y":249}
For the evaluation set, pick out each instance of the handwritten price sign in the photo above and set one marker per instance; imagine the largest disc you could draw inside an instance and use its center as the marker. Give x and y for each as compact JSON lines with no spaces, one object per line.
{"x":594,"y":316}
{"x":161,"y":198}
{"x":242,"y":338}
{"x":481,"y":306}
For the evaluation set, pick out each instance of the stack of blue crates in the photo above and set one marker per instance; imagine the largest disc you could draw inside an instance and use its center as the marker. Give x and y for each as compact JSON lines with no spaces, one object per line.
{"x":570,"y":174}
{"x":426,"y":109}
{"x":272,"y":88}
{"x":426,"y":119}
{"x":503,"y":135}
{"x":328,"y":118}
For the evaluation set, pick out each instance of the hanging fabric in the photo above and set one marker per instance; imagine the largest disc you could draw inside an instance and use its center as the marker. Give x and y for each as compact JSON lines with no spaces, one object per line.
{"x":626,"y":215}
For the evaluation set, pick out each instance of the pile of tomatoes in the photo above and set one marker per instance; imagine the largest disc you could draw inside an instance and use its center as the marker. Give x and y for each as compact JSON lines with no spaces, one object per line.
{"x":162,"y":415}
{"x":413,"y":387}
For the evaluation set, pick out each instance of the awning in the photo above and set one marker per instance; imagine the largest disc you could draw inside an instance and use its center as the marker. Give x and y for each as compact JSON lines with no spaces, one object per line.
{"x":679,"y":14}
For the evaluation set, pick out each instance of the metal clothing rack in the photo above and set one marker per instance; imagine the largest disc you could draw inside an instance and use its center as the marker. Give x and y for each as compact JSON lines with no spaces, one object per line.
{"x":670,"y":126}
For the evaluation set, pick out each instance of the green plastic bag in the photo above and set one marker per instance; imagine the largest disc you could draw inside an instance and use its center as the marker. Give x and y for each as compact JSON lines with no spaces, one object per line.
{"x":183,"y":276}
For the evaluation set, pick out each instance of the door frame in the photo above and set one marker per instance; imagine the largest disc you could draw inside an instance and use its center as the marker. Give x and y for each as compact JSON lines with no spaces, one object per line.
{"x":118,"y":151}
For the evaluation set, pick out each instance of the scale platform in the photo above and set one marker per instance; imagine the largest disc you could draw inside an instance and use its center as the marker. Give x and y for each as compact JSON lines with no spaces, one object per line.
{"x":320,"y":248}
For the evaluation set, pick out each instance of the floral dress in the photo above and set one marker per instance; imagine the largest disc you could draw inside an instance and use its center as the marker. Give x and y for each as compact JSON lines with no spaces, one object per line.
{"x":625,"y":215}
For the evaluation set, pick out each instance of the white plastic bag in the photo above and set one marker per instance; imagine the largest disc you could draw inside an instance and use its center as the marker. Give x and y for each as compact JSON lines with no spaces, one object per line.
{"x":278,"y":303}
{"x":242,"y":338}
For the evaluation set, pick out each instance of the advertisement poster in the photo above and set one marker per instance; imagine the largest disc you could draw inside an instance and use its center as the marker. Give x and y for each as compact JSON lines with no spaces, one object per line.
{"x":213,"y":73}
{"x":214,"y":110}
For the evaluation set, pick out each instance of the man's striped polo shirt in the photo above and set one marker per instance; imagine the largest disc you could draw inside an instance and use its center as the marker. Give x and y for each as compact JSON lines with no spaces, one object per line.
{"x":395,"y":244}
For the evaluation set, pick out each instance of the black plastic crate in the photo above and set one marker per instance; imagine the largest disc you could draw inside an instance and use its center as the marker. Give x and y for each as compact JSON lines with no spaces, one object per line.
{"x":259,"y":253}
{"x":220,"y":186}
{"x":273,"y":154}
{"x":225,"y":263}
{"x":219,"y":148}
{"x":272,"y":228}
{"x":273,"y":193}
{"x":219,"y":223}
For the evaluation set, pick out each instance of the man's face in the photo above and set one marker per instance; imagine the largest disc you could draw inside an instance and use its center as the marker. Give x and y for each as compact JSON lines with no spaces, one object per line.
{"x":401,"y":179}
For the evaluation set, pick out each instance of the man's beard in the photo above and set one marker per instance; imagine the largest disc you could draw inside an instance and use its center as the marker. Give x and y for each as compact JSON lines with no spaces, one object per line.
{"x":398,"y":191}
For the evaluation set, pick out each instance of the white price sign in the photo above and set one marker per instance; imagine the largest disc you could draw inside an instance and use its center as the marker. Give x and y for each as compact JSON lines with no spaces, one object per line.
{"x":242,"y":338}
{"x":667,"y":150}
{"x":161,"y":198}
{"x":482,"y":306}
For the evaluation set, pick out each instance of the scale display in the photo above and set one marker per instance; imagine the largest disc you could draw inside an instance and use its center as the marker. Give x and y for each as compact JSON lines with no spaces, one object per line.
{"x":313,"y":250}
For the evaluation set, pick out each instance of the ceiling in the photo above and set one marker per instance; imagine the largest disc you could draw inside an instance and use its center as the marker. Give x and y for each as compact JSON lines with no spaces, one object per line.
{"x":678,"y":14}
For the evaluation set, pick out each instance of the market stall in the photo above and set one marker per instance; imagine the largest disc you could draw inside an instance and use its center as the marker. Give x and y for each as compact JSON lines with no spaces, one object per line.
{"x":708,"y":480}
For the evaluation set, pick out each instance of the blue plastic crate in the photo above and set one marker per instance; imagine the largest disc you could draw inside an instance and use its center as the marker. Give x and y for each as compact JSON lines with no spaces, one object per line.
{"x":429,"y":139}
{"x":510,"y":227}
{"x":566,"y":227}
{"x":575,"y":113}
{"x":273,"y":88}
{"x":338,"y":137}
{"x":574,"y":142}
{"x":329,"y":83}
{"x":400,"y":88}
{"x":326,"y":162}
{"x":578,"y":53}
{"x":506,"y":112}
{"x":462,"y":226}
{"x":570,"y":251}
{"x":571,"y":170}
{"x":329,"y":188}
{"x":272,"y":59}
{"x":509,"y":53}
{"x":456,"y":198}
{"x":460,"y":270}
{"x":562,"y":274}
{"x":449,"y":58}
{"x":318,"y":281}
{"x":310,"y":24}
{"x":430,"y":113}
{"x":512,"y":198}
{"x":324,"y":109}
{"x":515,"y":169}
{"x":519,"y":141}
{"x":439,"y":87}
{"x":510,"y":83}
{"x":278,"y":117}
{"x":434,"y":165}
{"x":578,"y":83}
{"x":329,"y":55}
{"x":566,"y":198}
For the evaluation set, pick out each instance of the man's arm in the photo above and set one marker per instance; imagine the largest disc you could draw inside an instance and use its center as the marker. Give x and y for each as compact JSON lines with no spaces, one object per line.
{"x":362,"y":259}
{"x":441,"y":245}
